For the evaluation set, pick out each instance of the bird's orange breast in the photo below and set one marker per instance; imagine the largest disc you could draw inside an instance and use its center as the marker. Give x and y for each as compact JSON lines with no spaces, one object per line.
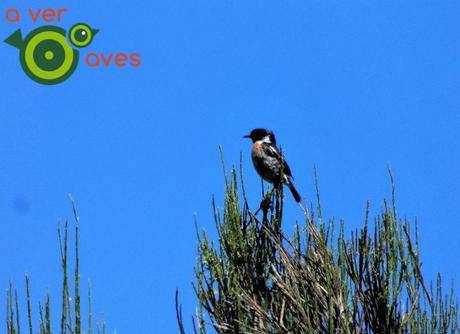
{"x":256,"y":150}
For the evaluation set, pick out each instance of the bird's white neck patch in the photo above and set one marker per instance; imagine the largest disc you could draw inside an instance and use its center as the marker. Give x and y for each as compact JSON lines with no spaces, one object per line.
{"x":266,"y":139}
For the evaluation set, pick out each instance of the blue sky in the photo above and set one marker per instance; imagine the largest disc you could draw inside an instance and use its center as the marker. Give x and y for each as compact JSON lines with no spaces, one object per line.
{"x":348,"y":87}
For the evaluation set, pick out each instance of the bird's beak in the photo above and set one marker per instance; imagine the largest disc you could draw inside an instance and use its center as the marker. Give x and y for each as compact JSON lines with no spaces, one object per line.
{"x":247,"y":136}
{"x":94,"y":31}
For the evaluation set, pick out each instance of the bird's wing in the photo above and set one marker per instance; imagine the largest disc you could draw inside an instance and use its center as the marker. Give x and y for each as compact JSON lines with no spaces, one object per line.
{"x":272,"y":151}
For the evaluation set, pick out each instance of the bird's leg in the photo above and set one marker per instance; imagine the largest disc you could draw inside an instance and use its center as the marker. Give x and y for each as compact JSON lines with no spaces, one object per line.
{"x":262,"y":186}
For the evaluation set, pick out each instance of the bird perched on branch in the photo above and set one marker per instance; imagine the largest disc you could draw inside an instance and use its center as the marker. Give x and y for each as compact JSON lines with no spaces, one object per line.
{"x":269,"y":161}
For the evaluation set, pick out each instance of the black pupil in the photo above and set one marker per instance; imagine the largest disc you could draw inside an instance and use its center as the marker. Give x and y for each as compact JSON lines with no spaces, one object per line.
{"x":81,"y":35}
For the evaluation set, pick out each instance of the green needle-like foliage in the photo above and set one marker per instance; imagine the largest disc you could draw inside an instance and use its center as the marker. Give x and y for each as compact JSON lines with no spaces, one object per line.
{"x":254,"y":279}
{"x":68,"y":313}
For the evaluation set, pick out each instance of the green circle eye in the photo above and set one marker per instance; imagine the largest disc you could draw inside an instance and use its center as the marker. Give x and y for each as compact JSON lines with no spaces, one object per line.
{"x":81,"y":35}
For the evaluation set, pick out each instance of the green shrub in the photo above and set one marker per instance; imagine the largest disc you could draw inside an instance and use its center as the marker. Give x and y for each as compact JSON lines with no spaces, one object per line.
{"x":70,"y":314}
{"x":255,"y":279}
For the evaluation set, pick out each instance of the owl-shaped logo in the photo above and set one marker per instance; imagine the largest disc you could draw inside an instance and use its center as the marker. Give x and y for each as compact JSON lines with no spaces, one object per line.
{"x":45,"y":54}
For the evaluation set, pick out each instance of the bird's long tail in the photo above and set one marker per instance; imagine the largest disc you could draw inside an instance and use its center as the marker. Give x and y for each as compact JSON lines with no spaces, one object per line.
{"x":293,"y":190}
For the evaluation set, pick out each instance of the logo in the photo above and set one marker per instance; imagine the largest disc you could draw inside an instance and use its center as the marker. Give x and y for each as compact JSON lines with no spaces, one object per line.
{"x":46,"y":55}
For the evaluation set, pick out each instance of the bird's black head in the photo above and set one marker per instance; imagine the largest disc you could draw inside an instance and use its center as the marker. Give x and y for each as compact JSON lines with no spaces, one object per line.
{"x":260,"y":133}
